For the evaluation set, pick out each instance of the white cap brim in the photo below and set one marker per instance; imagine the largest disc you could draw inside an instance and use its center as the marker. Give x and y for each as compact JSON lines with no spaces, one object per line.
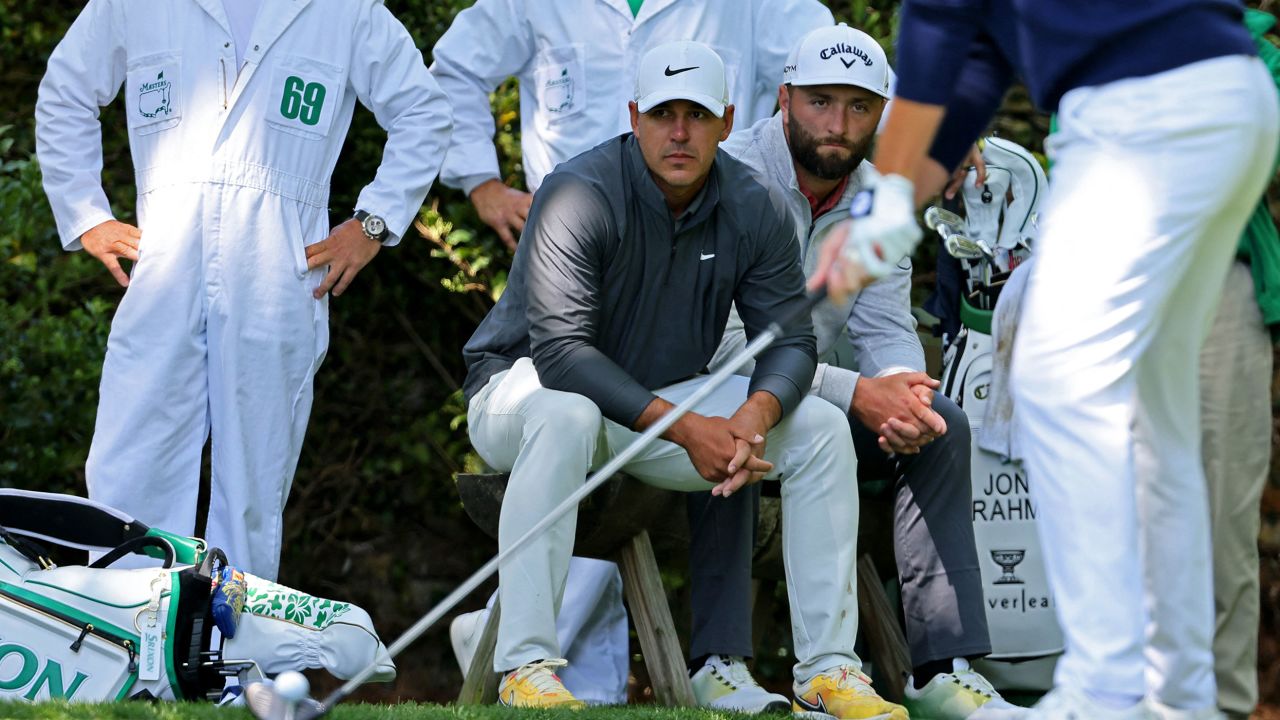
{"x":653,"y":99}
{"x":838,"y":80}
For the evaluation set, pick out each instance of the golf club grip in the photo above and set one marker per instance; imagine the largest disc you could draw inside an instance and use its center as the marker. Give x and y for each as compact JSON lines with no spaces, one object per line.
{"x":717,"y":378}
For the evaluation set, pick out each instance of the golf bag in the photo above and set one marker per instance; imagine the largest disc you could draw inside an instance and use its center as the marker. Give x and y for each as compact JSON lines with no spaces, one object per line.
{"x":94,"y":633}
{"x":1019,"y":604}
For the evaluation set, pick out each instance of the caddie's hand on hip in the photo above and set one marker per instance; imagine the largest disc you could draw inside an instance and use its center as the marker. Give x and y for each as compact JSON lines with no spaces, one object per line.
{"x":502,"y":208}
{"x":346,"y":251}
{"x":881,"y":232}
{"x":109,"y":241}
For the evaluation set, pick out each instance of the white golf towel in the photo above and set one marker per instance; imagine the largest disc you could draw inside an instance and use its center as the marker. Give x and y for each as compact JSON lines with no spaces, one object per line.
{"x":996,"y":434}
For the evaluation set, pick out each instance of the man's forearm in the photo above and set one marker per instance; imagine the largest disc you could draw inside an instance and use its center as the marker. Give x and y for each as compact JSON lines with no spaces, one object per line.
{"x":655,"y":412}
{"x":931,"y":180}
{"x":761,"y":405}
{"x":582,"y":369}
{"x":764,"y":407}
{"x":785,"y":371}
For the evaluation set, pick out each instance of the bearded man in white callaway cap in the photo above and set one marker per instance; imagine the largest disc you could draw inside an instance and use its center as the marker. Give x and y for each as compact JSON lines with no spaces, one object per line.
{"x":834,"y":90}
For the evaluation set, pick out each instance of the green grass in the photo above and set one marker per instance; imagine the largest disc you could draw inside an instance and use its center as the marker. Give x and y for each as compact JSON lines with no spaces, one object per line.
{"x":402,"y":711}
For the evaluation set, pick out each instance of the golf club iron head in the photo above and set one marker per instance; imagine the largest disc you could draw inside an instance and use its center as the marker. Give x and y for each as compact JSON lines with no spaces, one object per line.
{"x":949,"y":226}
{"x":936,"y":218}
{"x":265,"y":703}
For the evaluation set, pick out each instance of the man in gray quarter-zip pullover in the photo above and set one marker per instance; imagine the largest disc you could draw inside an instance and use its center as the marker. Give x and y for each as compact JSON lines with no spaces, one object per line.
{"x":618,"y":296}
{"x":812,"y":152}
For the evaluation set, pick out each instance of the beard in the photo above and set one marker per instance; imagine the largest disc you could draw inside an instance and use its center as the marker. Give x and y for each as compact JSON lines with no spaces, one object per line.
{"x":804,"y":150}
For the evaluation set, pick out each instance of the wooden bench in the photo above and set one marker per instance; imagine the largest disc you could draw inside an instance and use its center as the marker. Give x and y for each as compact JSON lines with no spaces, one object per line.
{"x":615,"y":523}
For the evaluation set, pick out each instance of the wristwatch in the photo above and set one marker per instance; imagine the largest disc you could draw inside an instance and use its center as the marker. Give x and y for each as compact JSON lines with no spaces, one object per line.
{"x":375,"y":228}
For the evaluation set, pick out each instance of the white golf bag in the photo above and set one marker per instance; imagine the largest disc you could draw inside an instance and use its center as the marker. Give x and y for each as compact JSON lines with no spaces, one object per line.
{"x":93,"y":633}
{"x":1019,"y":605}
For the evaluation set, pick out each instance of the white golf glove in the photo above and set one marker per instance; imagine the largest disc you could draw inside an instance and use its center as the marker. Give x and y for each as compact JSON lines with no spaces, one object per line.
{"x":884,"y":228}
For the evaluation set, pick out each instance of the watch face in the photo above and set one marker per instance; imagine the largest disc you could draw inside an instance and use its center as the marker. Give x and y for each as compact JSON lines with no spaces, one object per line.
{"x":374,"y":226}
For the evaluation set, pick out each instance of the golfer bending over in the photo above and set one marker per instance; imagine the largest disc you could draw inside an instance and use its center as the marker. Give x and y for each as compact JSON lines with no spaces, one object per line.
{"x":619,"y":293}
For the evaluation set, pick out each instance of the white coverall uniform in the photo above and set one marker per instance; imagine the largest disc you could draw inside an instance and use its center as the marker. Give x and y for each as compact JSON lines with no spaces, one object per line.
{"x":575,"y":61}
{"x":218,"y":329}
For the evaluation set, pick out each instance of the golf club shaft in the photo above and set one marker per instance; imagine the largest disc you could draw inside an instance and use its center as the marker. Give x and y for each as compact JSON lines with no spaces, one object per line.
{"x":755,"y":347}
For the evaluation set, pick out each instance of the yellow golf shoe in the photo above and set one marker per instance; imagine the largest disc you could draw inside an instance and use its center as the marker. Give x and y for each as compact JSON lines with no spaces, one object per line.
{"x":536,"y":685}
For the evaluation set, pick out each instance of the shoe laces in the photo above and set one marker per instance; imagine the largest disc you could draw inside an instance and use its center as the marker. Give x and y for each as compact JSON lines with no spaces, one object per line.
{"x":734,"y":671}
{"x":974,"y":681}
{"x":541,"y":674}
{"x":850,"y":678}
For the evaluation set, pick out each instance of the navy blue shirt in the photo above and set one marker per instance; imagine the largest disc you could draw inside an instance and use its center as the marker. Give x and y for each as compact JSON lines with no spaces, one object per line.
{"x":963,"y":54}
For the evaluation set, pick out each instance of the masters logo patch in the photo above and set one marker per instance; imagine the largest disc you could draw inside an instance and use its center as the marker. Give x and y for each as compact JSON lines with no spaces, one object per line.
{"x":155,"y":98}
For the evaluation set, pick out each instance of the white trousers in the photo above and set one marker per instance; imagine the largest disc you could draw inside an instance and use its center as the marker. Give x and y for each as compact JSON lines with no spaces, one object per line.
{"x":1235,"y":414}
{"x":1153,"y":180}
{"x":550,"y":440}
{"x":592,"y":631}
{"x":217,"y":334}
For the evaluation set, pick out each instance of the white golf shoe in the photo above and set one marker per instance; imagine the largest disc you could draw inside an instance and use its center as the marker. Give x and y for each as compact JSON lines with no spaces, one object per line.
{"x":464,"y":633}
{"x":962,"y":694}
{"x":725,"y":683}
{"x":1066,"y":703}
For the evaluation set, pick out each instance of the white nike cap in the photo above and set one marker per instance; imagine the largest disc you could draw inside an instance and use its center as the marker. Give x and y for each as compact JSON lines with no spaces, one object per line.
{"x":839,"y":55}
{"x":682,"y":70}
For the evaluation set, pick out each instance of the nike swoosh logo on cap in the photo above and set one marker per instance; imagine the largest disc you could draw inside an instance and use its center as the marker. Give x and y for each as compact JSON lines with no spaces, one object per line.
{"x":702,"y":256}
{"x":669,"y":72}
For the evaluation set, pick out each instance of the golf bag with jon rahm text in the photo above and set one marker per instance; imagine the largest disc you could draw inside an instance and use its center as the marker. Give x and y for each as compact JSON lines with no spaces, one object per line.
{"x":994,"y":238}
{"x":94,"y":633}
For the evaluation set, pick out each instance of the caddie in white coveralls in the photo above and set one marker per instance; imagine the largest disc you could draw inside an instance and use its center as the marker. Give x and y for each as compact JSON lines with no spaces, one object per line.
{"x":237,"y":110}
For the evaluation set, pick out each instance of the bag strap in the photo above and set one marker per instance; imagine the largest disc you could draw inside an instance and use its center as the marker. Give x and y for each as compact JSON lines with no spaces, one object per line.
{"x":87,"y":525}
{"x":136,"y":545}
{"x":30,"y":549}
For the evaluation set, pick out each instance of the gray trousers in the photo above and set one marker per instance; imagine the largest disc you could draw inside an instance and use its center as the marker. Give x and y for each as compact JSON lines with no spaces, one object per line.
{"x":933,"y":538}
{"x":933,"y":541}
{"x":1235,"y":431}
{"x":720,"y":571}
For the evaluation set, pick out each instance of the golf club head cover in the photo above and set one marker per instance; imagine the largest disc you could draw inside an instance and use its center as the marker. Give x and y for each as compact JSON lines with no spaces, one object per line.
{"x":983,"y":204}
{"x":1029,"y":185}
{"x":286,"y":629}
{"x":227,"y":601}
{"x":884,"y":229}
